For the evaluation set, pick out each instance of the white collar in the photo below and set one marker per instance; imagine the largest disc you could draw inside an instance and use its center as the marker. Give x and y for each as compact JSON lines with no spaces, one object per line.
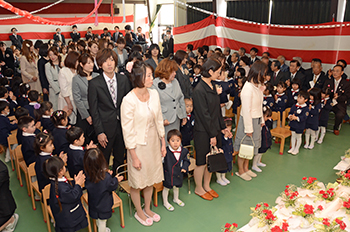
{"x":45,"y":153}
{"x":73,"y":147}
{"x":302,"y":106}
{"x":46,"y":116}
{"x":277,"y":72}
{"x":62,"y":179}
{"x":5,"y":100}
{"x":108,"y":79}
{"x":268,"y":95}
{"x":62,"y":127}
{"x":295,"y":90}
{"x":32,"y":103}
{"x":28,"y":134}
{"x":337,"y":81}
{"x":326,"y":98}
{"x":4,"y":115}
{"x":280,"y":94}
{"x":172,"y":150}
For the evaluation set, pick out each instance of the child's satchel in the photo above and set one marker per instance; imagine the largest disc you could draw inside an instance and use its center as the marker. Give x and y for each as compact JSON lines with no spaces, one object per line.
{"x":246,"y":151}
{"x":216,"y":160}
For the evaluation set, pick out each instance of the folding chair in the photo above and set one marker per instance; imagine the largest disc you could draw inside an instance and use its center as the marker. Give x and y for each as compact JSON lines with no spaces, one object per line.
{"x":21,"y":165}
{"x":33,"y":185}
{"x":192,"y":166}
{"x":280,"y":132}
{"x":125,"y":184}
{"x":12,"y":140}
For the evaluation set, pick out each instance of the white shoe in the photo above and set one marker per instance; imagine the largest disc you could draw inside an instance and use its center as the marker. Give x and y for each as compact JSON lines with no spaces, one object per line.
{"x":11,"y":227}
{"x":320,"y":141}
{"x":108,"y":230}
{"x":179,"y":202}
{"x":295,"y":152}
{"x":7,"y":159}
{"x":311,"y":147}
{"x":221,"y":182}
{"x":291,"y":151}
{"x":306,"y":146}
{"x":255,"y":168}
{"x":251,"y":174}
{"x":169,"y":207}
{"x":261,"y":164}
{"x":225,"y":180}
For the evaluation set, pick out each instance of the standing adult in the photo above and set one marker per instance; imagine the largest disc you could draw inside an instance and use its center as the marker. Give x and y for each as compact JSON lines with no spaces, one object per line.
{"x":93,"y":50}
{"x":170,"y":94}
{"x":168,"y":44}
{"x":182,"y":73}
{"x":105,"y":94}
{"x":80,"y":95}
{"x":65,"y":77}
{"x":251,"y":119}
{"x":122,"y":54}
{"x":52,"y":68}
{"x":16,"y":39}
{"x":7,"y":59}
{"x":153,"y":56}
{"x":75,"y":35}
{"x":29,"y":68}
{"x":43,"y":50}
{"x":208,"y":126}
{"x":58,"y":36}
{"x":143,"y":130}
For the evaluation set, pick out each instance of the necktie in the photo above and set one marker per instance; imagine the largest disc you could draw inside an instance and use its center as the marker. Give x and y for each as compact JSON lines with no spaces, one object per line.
{"x":112,"y":90}
{"x":315,"y":79}
{"x":274,"y":77}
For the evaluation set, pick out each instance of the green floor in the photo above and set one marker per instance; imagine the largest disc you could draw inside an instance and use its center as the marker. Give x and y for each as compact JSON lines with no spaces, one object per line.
{"x":234,"y":201}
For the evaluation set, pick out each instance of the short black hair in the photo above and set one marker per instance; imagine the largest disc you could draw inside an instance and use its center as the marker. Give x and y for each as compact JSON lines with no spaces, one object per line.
{"x":4,"y":81}
{"x":3,"y":105}
{"x":296,"y":81}
{"x":127,"y":27}
{"x":241,"y":71}
{"x":105,"y":29}
{"x":3,"y":91}
{"x":295,"y":61}
{"x":197,"y":66}
{"x":344,"y":62}
{"x":242,"y":49}
{"x":2,"y":44}
{"x":317,"y":60}
{"x":206,"y":48}
{"x":174,"y":132}
{"x":24,"y":121}
{"x":13,"y":28}
{"x":89,"y":28}
{"x":218,"y":50}
{"x":38,"y":43}
{"x":190,"y":62}
{"x":338,"y":65}
{"x":270,"y":88}
{"x":267,"y":53}
{"x":190,"y":47}
{"x":116,"y":27}
{"x":74,"y":26}
{"x":43,"y":49}
{"x":74,"y":133}
{"x":8,"y":72}
{"x":20,"y":112}
{"x":267,"y":111}
{"x":210,"y":64}
{"x":304,"y":94}
{"x":33,"y":95}
{"x":282,"y":84}
{"x":277,"y":64}
{"x":254,"y":49}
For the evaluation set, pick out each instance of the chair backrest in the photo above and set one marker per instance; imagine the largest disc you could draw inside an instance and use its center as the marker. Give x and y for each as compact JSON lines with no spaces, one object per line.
{"x":125,"y":167}
{"x":191,"y":150}
{"x":285,"y":116}
{"x":18,"y":153}
{"x":276,"y":117}
{"x":46,"y":194}
{"x":31,"y":171}
{"x":11,"y":118}
{"x":11,"y":140}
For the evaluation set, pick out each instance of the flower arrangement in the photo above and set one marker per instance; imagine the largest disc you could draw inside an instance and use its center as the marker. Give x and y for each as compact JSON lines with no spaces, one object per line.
{"x":310,"y":183}
{"x":230,"y":227}
{"x":328,"y":194}
{"x":283,"y":228}
{"x":346,"y":205}
{"x":336,"y":225}
{"x":265,"y":215}
{"x":290,"y":195}
{"x":306,"y":211}
{"x":344,"y":178}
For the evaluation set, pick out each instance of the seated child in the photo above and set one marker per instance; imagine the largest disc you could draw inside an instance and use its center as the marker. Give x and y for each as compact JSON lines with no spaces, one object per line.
{"x":196,"y":75}
{"x":227,"y":147}
{"x":268,"y":96}
{"x":312,"y":119}
{"x":33,"y":97}
{"x":281,"y":98}
{"x":187,"y":128}
{"x":297,"y":116}
{"x":292,"y":93}
{"x":8,"y":74}
{"x":27,"y":126}
{"x":100,"y":185}
{"x":6,"y":127}
{"x":65,"y":202}
{"x":326,"y":107}
{"x":8,"y":97}
{"x":175,"y":164}
{"x":75,"y":153}
{"x":43,"y":114}
{"x":60,"y":120}
{"x":22,"y":100}
{"x":266,"y":139}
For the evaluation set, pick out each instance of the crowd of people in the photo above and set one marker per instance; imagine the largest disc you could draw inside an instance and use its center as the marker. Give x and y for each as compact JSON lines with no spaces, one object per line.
{"x":76,"y":106}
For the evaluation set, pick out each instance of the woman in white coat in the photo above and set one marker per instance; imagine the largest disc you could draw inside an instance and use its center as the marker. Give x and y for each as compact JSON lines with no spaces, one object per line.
{"x":65,"y":77}
{"x":52,"y":68}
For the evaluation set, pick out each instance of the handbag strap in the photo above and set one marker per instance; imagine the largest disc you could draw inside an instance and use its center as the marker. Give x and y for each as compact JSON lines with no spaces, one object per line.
{"x":251,"y":137}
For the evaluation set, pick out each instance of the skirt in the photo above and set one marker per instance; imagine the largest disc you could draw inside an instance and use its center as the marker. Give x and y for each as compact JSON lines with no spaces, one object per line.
{"x":247,"y":140}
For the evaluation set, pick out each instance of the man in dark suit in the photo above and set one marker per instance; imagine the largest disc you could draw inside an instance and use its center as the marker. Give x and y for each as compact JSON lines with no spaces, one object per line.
{"x":59,"y":37}
{"x":89,"y":35}
{"x":277,"y":74}
{"x":282,"y":60}
{"x":128,"y":30}
{"x":295,"y":73}
{"x":341,"y":90}
{"x":106,"y":34}
{"x":75,"y":35}
{"x":6,"y":57}
{"x":116,"y":34}
{"x":16,"y":39}
{"x":253,"y":55}
{"x":105,"y":94}
{"x":316,"y":78}
{"x":227,"y":53}
{"x":234,"y":64}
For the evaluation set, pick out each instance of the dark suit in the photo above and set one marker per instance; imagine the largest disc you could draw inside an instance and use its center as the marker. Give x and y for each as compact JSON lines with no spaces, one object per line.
{"x":57,"y":38}
{"x":228,"y":60}
{"x":75,"y":36}
{"x":252,"y":61}
{"x":106,"y":116}
{"x":319,"y":82}
{"x":298,"y":76}
{"x":116,"y":35}
{"x":343,"y":92}
{"x":7,"y":202}
{"x":185,"y":83}
{"x":281,"y":76}
{"x":103,"y":35}
{"x":17,"y":41}
{"x":8,"y":59}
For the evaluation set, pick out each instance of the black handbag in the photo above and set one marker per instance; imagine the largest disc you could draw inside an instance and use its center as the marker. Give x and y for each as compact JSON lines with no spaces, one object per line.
{"x":216,"y":160}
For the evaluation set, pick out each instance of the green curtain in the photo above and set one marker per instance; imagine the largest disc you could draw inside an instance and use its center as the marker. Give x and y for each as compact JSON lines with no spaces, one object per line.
{"x":252,"y":10}
{"x":194,"y":16}
{"x":347,"y":12}
{"x":292,"y":12}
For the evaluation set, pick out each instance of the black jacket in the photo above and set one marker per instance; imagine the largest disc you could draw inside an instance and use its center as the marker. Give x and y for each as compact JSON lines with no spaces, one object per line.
{"x":8,"y":59}
{"x":60,"y":142}
{"x":281,"y":76}
{"x":75,"y":161}
{"x":57,"y":38}
{"x":75,"y":36}
{"x":319,"y":83}
{"x":16,"y":41}
{"x":7,"y":202}
{"x":42,"y":75}
{"x":185,"y":83}
{"x":343,"y":92}
{"x":116,"y":35}
{"x":28,"y":149}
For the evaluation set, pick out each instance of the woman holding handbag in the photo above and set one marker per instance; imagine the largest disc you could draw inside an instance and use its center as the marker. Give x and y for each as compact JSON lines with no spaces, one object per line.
{"x":208,"y":126}
{"x":251,"y":120}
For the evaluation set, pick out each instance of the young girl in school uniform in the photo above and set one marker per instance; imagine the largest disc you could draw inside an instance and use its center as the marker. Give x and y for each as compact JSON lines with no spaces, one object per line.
{"x":100,"y":185}
{"x":65,"y":197}
{"x":269,"y":96}
{"x":22,"y":99}
{"x":44,"y":115}
{"x":60,"y":120}
{"x":312,"y":119}
{"x":281,"y":98}
{"x":326,"y":107}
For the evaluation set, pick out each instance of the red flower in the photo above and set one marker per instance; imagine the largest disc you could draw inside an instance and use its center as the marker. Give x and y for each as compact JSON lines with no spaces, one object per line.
{"x":308,"y":209}
{"x":235,"y":225}
{"x":304,"y":178}
{"x":322,"y":192}
{"x":266,"y":205}
{"x":346,"y":204}
{"x":326,"y":222}
{"x":287,"y":186}
{"x":342,"y":225}
{"x":285,"y":226}
{"x":227,"y":230}
{"x":227,"y":225}
{"x":325,"y":196}
{"x":257,"y":206}
{"x":320,"y":207}
{"x":276,"y":229}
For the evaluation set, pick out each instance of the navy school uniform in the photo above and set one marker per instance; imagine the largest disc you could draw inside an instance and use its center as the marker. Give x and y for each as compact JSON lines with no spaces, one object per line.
{"x":225,"y":90}
{"x":302,"y":112}
{"x":236,"y":101}
{"x":72,"y":217}
{"x":326,"y":107}
{"x":22,"y":101}
{"x":187,"y":130}
{"x":100,"y":196}
{"x":30,"y":108}
{"x":12,"y":105}
{"x":196,"y":79}
{"x":47,"y":124}
{"x":19,"y":135}
{"x":266,"y":138}
{"x":172,"y":167}
{"x":232,"y":86}
{"x":75,"y":159}
{"x":28,"y":148}
{"x":292,"y":97}
{"x":40,"y":159}
{"x":281,"y":103}
{"x":268,"y":101}
{"x":60,"y":142}
{"x":312,"y":119}
{"x":227,"y":147}
{"x":5,"y":129}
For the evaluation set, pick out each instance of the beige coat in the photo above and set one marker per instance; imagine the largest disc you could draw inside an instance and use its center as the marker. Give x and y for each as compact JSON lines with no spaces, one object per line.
{"x":28,"y":71}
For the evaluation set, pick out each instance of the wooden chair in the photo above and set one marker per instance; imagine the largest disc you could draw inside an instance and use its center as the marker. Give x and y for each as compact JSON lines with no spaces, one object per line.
{"x":21,"y":165}
{"x":125,"y":184}
{"x":12,"y":140}
{"x":33,"y":185}
{"x":280,"y":132}
{"x":237,"y":119}
{"x":284,"y":118}
{"x":117,"y":202}
{"x":157,"y":188}
{"x":11,"y":118}
{"x":229,"y":112}
{"x":192,"y":165}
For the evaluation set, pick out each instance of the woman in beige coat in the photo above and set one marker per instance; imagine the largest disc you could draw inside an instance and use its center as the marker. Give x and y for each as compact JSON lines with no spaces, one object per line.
{"x":29,"y":67}
{"x":143,"y":132}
